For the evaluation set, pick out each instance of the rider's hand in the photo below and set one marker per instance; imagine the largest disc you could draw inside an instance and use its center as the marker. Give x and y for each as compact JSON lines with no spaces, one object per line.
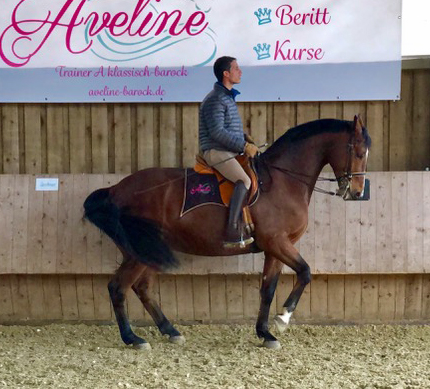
{"x":249,"y":139}
{"x":250,"y":149}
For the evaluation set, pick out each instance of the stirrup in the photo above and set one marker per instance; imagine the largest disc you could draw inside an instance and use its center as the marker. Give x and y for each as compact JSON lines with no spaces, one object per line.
{"x":242,"y":243}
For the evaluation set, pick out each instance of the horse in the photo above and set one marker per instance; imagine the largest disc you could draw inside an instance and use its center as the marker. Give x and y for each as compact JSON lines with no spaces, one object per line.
{"x":141,"y":215}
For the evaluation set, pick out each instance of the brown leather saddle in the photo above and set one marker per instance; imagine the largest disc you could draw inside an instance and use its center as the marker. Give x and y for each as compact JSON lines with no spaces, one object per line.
{"x":204,"y":185}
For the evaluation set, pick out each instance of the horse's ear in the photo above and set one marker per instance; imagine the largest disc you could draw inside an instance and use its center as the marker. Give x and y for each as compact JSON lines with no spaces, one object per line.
{"x":358,"y":124}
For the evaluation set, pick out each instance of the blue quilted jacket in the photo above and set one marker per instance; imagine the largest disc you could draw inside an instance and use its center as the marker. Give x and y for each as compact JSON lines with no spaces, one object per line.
{"x":220,"y":126}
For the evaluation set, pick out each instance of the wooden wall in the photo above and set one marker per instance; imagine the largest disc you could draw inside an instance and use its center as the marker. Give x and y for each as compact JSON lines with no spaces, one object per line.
{"x":366,"y":298}
{"x":122,"y":138}
{"x":370,"y":259}
{"x":45,"y":233}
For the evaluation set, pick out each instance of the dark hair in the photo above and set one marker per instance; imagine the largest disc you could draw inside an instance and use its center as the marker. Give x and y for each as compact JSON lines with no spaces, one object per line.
{"x":221,"y":64}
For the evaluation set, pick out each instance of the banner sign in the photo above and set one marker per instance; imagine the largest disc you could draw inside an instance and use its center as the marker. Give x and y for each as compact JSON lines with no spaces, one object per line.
{"x":164,"y":50}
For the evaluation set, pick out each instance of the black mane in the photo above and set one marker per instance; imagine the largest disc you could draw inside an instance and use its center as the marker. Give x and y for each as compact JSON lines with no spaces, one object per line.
{"x":310,"y":129}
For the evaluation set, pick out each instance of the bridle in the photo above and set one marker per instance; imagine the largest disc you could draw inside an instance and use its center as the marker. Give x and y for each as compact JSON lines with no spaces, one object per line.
{"x":344,"y":180}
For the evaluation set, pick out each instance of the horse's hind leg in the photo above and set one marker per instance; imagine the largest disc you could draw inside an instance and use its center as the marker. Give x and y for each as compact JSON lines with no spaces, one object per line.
{"x":272,"y":269}
{"x":124,"y":278}
{"x":142,"y":288}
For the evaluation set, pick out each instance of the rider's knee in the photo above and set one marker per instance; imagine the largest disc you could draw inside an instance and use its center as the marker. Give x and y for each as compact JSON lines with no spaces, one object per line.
{"x":247,"y":182}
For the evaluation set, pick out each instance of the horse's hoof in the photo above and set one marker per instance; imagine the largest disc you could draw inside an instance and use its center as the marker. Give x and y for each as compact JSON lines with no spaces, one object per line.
{"x":142,"y":346}
{"x":281,"y":326}
{"x":179,"y":339}
{"x":272,"y":344}
{"x":282,"y":321}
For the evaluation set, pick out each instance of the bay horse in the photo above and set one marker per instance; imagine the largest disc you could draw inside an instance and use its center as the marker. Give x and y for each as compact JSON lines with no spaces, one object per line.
{"x":141,"y":215}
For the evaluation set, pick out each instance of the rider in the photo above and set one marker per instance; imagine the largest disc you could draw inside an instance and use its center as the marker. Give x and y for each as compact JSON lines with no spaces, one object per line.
{"x":222,"y":137}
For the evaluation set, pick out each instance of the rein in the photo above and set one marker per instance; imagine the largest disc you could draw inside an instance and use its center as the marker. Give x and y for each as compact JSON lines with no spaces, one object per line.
{"x":297,"y":176}
{"x":346,"y":176}
{"x":344,"y":181}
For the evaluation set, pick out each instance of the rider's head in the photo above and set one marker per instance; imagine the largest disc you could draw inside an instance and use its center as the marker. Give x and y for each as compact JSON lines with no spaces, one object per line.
{"x":227,"y":71}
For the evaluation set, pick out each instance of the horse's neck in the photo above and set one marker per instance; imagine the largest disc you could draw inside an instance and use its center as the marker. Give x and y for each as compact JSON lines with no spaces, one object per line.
{"x":306,"y":162}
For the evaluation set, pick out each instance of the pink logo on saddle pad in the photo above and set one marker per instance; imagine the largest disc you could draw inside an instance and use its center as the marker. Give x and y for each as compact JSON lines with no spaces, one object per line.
{"x":201,"y":188}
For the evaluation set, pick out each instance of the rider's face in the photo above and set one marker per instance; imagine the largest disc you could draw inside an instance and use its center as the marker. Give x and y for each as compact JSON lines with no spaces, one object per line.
{"x":233,"y":75}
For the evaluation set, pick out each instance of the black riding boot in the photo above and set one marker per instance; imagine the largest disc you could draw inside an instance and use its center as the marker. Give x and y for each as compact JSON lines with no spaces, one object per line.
{"x":235,"y":236}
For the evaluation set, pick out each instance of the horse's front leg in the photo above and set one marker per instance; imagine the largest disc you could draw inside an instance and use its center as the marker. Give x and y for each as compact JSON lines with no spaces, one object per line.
{"x":283,"y":249}
{"x":272,"y":269}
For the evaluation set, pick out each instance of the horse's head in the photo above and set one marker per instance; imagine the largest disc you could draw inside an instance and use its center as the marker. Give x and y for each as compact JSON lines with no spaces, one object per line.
{"x":352,"y":179}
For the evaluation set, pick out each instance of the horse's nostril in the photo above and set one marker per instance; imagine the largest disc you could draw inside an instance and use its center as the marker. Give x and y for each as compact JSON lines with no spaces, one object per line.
{"x":357,"y":195}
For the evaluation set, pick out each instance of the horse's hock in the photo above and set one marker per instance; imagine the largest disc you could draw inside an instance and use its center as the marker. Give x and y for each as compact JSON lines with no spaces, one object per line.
{"x":370,"y":260}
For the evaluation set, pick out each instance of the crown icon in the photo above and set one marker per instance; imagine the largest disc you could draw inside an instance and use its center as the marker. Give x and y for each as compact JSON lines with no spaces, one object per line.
{"x":263,"y":16}
{"x":262,"y":51}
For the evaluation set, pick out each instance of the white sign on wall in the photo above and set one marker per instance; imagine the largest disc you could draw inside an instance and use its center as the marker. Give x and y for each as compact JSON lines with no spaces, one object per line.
{"x":163,"y":50}
{"x":46,"y":184}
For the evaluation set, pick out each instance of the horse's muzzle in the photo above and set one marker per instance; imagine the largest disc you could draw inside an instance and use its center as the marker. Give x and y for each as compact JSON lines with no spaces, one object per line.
{"x":363,"y":195}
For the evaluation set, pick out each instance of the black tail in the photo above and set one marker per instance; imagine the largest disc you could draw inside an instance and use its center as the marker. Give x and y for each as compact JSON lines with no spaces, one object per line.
{"x":140,"y":237}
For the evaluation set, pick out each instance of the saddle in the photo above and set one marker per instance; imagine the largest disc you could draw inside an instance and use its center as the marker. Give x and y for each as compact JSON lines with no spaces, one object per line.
{"x":204,"y":185}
